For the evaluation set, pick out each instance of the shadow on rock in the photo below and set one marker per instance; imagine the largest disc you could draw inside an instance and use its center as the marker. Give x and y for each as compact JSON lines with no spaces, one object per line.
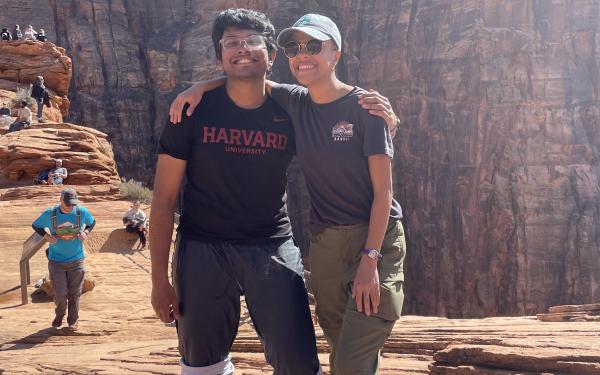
{"x":32,"y":340}
{"x":119,"y":241}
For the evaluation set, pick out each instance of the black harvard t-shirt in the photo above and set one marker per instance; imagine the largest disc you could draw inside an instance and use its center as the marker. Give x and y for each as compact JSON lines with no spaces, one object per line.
{"x":236,"y":169}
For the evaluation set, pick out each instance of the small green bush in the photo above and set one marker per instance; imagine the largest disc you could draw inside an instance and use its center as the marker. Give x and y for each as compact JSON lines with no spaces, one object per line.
{"x":24,"y":94}
{"x":133,"y":190}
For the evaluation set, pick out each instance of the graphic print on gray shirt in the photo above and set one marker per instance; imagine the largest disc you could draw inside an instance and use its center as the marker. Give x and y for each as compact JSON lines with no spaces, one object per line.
{"x":333,"y":143}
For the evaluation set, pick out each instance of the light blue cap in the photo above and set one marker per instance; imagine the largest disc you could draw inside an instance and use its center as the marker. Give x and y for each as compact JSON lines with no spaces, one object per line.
{"x":315,"y":25}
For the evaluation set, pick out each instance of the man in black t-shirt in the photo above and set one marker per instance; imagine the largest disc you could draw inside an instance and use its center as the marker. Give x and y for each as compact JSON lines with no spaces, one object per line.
{"x":234,"y":234}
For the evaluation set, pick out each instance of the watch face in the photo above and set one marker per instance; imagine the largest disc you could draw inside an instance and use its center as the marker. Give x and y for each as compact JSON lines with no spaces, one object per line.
{"x":372,"y":254}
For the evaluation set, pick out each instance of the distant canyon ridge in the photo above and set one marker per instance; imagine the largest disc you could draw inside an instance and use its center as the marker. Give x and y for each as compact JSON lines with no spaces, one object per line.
{"x":497,"y":157}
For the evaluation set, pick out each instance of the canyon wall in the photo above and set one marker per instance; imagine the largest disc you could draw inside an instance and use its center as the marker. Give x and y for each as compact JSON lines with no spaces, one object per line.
{"x":497,"y":155}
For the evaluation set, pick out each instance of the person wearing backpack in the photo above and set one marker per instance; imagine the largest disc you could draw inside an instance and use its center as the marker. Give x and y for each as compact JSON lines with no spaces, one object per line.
{"x":66,"y":226}
{"x":5,"y":34}
{"x":40,"y":94}
{"x":17,"y":34}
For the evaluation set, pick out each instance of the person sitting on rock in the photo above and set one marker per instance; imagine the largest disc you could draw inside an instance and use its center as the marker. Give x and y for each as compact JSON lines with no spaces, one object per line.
{"x":40,"y":94}
{"x":17,"y":34}
{"x":41,"y":36}
{"x":30,"y":33}
{"x":135,"y":221}
{"x":5,"y":119}
{"x":23,"y":118}
{"x":5,"y":34}
{"x":57,"y":174}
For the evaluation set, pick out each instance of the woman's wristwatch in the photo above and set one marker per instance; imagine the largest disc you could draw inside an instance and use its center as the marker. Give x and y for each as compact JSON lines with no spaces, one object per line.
{"x":372,"y":253}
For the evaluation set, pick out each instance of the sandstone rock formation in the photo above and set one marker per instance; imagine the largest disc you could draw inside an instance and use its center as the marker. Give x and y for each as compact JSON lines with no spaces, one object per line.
{"x":497,"y":158}
{"x":120,"y":334}
{"x":22,"y":61}
{"x":92,"y":193}
{"x":572,"y":313}
{"x":85,"y":152}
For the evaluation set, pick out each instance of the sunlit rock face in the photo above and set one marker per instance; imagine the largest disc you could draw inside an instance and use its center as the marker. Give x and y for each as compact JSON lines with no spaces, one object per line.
{"x":497,"y":157}
{"x":84,"y":151}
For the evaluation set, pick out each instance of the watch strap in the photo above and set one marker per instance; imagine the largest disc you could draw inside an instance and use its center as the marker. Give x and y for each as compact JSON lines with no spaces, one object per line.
{"x":368,"y":251}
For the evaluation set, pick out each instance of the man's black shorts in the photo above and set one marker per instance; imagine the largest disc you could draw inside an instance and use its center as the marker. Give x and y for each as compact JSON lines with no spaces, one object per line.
{"x":210,"y":277}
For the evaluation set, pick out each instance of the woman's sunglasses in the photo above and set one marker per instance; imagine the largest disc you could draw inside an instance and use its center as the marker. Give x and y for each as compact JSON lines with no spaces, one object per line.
{"x":312,"y":47}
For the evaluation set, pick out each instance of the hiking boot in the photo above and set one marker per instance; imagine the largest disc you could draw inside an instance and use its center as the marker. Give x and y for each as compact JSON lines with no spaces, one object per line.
{"x":41,"y":120}
{"x":74,"y":326}
{"x":57,"y":322}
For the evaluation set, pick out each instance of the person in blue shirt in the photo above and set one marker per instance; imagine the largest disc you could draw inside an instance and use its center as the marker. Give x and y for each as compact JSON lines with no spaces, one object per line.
{"x":65,"y":227}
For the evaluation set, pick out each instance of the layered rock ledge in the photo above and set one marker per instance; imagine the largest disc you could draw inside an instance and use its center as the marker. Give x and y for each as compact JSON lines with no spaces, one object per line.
{"x":85,"y":152}
{"x":23,"y":60}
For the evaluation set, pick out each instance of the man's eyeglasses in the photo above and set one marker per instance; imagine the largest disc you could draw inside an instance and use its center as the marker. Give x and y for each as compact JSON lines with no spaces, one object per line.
{"x":293,"y":48}
{"x":254,"y":41}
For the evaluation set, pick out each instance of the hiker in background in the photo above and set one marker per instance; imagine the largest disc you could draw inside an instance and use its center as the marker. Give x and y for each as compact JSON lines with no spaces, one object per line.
{"x":17,"y":34}
{"x":41,"y":36}
{"x":30,"y":33}
{"x":23,"y":118}
{"x":42,"y":177}
{"x":40,"y":94}
{"x":57,"y":174}
{"x":5,"y":119}
{"x":66,"y":226}
{"x":135,"y":221}
{"x":5,"y":34}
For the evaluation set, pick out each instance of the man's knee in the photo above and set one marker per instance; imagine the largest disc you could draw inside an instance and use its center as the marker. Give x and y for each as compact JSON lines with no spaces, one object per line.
{"x":293,"y":357}
{"x":297,"y":364}
{"x":61,"y":295}
{"x":74,"y":293}
{"x":60,"y":290}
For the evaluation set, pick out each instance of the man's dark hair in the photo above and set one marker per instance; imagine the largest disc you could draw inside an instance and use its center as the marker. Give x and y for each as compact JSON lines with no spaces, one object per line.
{"x":24,"y":103}
{"x":243,"y":19}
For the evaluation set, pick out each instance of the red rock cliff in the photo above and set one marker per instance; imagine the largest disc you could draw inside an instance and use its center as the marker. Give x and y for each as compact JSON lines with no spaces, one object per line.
{"x":497,"y":157}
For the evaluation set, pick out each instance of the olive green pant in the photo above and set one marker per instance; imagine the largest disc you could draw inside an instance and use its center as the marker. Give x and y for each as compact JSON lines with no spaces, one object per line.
{"x":354,"y":338}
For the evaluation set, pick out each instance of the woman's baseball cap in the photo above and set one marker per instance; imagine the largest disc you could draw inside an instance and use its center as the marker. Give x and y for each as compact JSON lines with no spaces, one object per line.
{"x":315,"y":25}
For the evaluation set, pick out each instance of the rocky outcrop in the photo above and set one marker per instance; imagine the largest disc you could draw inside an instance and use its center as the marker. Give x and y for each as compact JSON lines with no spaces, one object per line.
{"x":85,"y":152}
{"x":500,"y":360}
{"x":22,"y":61}
{"x":572,"y":313}
{"x":497,"y":158}
{"x":90,"y":193}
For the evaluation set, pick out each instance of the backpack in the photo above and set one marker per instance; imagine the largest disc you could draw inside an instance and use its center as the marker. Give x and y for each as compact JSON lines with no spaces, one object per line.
{"x":55,"y":219}
{"x":37,"y":92}
{"x":55,"y":222}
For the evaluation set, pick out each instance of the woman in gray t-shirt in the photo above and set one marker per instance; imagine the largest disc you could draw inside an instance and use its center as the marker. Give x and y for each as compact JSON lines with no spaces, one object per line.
{"x":357,"y":243}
